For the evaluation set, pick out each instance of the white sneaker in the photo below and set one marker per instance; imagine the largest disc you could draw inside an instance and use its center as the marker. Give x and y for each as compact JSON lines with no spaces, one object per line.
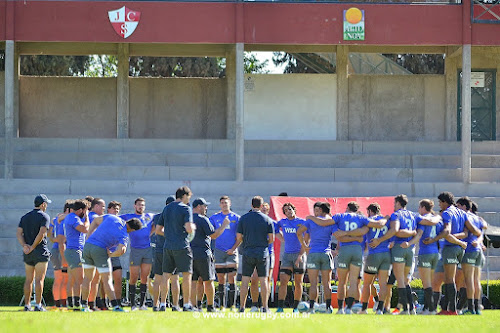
{"x":404,"y":313}
{"x":375,"y":306}
{"x":413,"y":312}
{"x":379,"y":312}
{"x":134,"y":308}
{"x":363,"y":312}
{"x":340,"y":311}
{"x":143,"y":308}
{"x":425,"y":313}
{"x":348,"y":311}
{"x":254,"y":309}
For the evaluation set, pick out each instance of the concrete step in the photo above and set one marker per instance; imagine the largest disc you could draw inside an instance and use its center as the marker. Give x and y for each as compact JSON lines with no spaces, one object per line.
{"x":93,"y":172}
{"x":118,"y":159}
{"x":10,"y":245}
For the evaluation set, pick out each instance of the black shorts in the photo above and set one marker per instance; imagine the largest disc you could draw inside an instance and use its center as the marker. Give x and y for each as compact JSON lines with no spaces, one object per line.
{"x":157,"y":263}
{"x":204,"y":268}
{"x":36,"y":256}
{"x":177,"y":261}
{"x":250,"y":264}
{"x":392,"y":278}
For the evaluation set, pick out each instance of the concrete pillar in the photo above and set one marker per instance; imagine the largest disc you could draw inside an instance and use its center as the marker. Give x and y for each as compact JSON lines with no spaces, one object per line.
{"x":342,"y":93}
{"x":466,"y":114}
{"x":10,"y":107}
{"x":450,"y":71}
{"x":231,"y":94}
{"x":239,"y":112}
{"x":122,"y":93}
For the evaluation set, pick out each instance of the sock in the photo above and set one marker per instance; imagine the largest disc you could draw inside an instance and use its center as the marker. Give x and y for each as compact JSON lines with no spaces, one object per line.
{"x":436,"y":297}
{"x":281,"y":303}
{"x":409,"y":297}
{"x":365,"y":306}
{"x":98,"y":302}
{"x":114,"y":303}
{"x":76,"y":301}
{"x":210,"y":307}
{"x":84,"y":303}
{"x":403,"y":298}
{"x":476,"y":305}
{"x":231,"y":295}
{"x":69,"y":301}
{"x":462,"y":298}
{"x":349,"y":301}
{"x":198,"y":304}
{"x":470,"y":304}
{"x":428,"y":300}
{"x":311,"y":304}
{"x":340,"y":303}
{"x":220,"y":289}
{"x":452,"y":297}
{"x":356,"y":301}
{"x":380,"y":306}
{"x":143,"y":288}
{"x":63,"y":302}
{"x":444,"y":299}
{"x":256,"y":304}
{"x":163,"y":304}
{"x":328,"y":303}
{"x":91,"y":305}
{"x":296,"y":304}
{"x":58,"y":303}
{"x":131,"y":294}
{"x":375,"y":298}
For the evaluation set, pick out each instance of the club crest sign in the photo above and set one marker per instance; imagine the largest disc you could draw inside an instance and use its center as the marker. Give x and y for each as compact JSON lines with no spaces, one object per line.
{"x":124,"y":21}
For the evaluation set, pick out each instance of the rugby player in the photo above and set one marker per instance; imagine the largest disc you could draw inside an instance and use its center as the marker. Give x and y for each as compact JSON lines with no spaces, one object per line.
{"x":141,"y":253}
{"x":226,"y":264}
{"x":97,"y":206}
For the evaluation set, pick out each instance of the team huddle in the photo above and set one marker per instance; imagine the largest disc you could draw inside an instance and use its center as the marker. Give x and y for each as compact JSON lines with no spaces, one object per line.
{"x":183,"y":241}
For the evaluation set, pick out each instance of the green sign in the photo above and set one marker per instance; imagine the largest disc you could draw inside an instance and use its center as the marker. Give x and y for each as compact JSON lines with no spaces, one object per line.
{"x":354,"y":24}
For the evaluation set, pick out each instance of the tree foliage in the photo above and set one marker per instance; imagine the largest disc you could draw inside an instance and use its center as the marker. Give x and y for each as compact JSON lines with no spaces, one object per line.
{"x":44,"y":65}
{"x":420,"y":63}
{"x":294,"y":65}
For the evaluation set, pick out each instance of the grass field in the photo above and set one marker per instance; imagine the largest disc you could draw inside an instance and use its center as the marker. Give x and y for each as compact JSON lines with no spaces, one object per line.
{"x":13,"y":320}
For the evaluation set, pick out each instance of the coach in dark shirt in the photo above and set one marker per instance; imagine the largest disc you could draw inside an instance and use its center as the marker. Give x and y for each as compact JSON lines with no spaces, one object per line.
{"x":32,"y":235}
{"x":255,"y":232}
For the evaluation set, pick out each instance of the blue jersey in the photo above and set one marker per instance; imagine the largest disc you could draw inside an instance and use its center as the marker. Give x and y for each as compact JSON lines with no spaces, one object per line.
{"x":225,"y":241}
{"x":428,"y":231}
{"x":406,"y":222}
{"x":139,"y":239}
{"x":289,"y":229}
{"x":92,"y":216}
{"x":157,"y":241}
{"x":348,"y":222}
{"x":456,"y":218}
{"x":74,"y":238}
{"x":321,"y":237}
{"x":52,"y":224}
{"x":478,"y":223}
{"x":110,"y":233}
{"x":375,"y":233}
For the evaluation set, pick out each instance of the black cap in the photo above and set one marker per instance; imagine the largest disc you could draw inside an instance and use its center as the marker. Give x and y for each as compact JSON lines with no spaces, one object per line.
{"x":40,"y":199}
{"x":170,"y":199}
{"x":200,"y":201}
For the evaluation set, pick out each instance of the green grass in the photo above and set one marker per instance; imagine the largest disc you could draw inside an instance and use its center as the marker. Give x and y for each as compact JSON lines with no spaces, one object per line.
{"x":13,"y":320}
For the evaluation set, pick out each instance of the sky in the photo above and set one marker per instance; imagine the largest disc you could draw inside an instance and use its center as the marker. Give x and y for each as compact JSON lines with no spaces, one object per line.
{"x":262,"y":56}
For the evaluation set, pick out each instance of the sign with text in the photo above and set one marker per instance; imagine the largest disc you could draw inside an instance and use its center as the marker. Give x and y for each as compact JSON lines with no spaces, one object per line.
{"x":477,"y":80}
{"x":354,"y":24}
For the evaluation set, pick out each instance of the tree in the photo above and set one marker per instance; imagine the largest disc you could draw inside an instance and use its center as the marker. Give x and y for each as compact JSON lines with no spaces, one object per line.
{"x":303,"y":63}
{"x":419,"y":63}
{"x":47,"y":65}
{"x":101,"y":66}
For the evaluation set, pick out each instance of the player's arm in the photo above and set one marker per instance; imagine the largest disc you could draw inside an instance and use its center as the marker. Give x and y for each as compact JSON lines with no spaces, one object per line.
{"x":190,"y":227}
{"x":279,"y":235}
{"x":472,"y":228}
{"x":445,"y":232}
{"x":84,"y":228}
{"x":321,"y":222}
{"x":61,"y":216}
{"x":41,"y":234}
{"x":349,"y":239}
{"x":50,"y":234}
{"x":414,"y":240}
{"x":97,"y":222}
{"x":120,"y":250}
{"x":20,"y":239}
{"x":405,"y":233}
{"x":431,"y":221}
{"x":377,"y":224}
{"x":220,"y":229}
{"x":394,"y":228}
{"x":239,"y":240}
{"x":353,"y":233}
{"x":300,"y":236}
{"x":270,"y":238}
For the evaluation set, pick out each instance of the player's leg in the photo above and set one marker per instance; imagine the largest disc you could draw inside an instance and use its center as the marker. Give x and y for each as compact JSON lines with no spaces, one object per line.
{"x":285,"y":275}
{"x":262,"y":267}
{"x":313,"y":290}
{"x":248,"y":266}
{"x":383,"y":276}
{"x":297,"y":293}
{"x":28,"y":285}
{"x":89,"y":282}
{"x":232,"y":271}
{"x":341,"y":290}
{"x":368,"y":279}
{"x":468,"y":273}
{"x":326,"y":278}
{"x":117,"y":282}
{"x":144,"y":274}
{"x":221,"y":271}
{"x":477,"y":287}
{"x":450,"y":286}
{"x":134,"y":269}
{"x":254,"y":291}
{"x":399,"y":272}
{"x":210,"y":292}
{"x":64,"y":286}
{"x":353,"y":290}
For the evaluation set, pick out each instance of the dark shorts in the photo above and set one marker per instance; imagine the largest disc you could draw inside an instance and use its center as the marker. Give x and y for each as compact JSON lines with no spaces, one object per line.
{"x":36,"y":256}
{"x":73,"y":258}
{"x":222,"y":258}
{"x":55,"y":259}
{"x":96,"y":256}
{"x":250,"y":264}
{"x":400,"y":255}
{"x":474,"y":258}
{"x":429,"y":260}
{"x":288,"y":260}
{"x":141,"y":256}
{"x":376,"y":262}
{"x":177,"y":261}
{"x":116,"y":263}
{"x":350,"y":255}
{"x":158,"y":263}
{"x":204,"y":268}
{"x":452,"y":255}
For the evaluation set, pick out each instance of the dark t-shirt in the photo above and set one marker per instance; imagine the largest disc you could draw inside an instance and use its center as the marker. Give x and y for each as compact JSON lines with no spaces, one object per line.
{"x":157,"y":241}
{"x":173,"y":218}
{"x":31,"y":223}
{"x":254,"y":226}
{"x":201,"y":242}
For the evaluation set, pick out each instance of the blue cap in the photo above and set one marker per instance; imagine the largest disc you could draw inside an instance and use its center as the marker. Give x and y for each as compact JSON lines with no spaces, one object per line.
{"x":40,"y":199}
{"x":200,"y":201}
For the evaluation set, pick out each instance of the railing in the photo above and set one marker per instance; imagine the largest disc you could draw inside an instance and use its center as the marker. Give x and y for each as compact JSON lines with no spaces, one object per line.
{"x":485,"y":11}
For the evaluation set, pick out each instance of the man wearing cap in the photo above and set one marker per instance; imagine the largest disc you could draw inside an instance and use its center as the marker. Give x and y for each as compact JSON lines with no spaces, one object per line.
{"x":160,"y":286}
{"x":109,"y":240}
{"x":32,"y":235}
{"x":176,"y":224}
{"x":203,"y":261}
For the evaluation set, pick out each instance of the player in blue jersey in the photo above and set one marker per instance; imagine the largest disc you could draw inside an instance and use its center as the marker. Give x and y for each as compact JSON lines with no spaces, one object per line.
{"x":141,"y":253}
{"x":319,"y":256}
{"x":225,"y":264}
{"x":97,"y":207}
{"x":472,"y":259}
{"x":477,"y":269}
{"x":455,"y":223}
{"x":293,"y":260}
{"x":76,"y":225}
{"x":108,"y":238}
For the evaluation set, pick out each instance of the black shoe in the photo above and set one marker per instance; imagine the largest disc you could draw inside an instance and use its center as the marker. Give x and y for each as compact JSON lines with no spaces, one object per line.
{"x":162,"y":308}
{"x":27,"y":308}
{"x":155,"y":309}
{"x":242,"y":310}
{"x":176,"y":309}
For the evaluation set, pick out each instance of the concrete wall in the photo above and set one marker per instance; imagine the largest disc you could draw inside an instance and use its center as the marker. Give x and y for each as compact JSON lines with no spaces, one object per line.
{"x":183,"y":108}
{"x":2,"y":103}
{"x":290,"y":107}
{"x":397,"y":108}
{"x":67,"y":107}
